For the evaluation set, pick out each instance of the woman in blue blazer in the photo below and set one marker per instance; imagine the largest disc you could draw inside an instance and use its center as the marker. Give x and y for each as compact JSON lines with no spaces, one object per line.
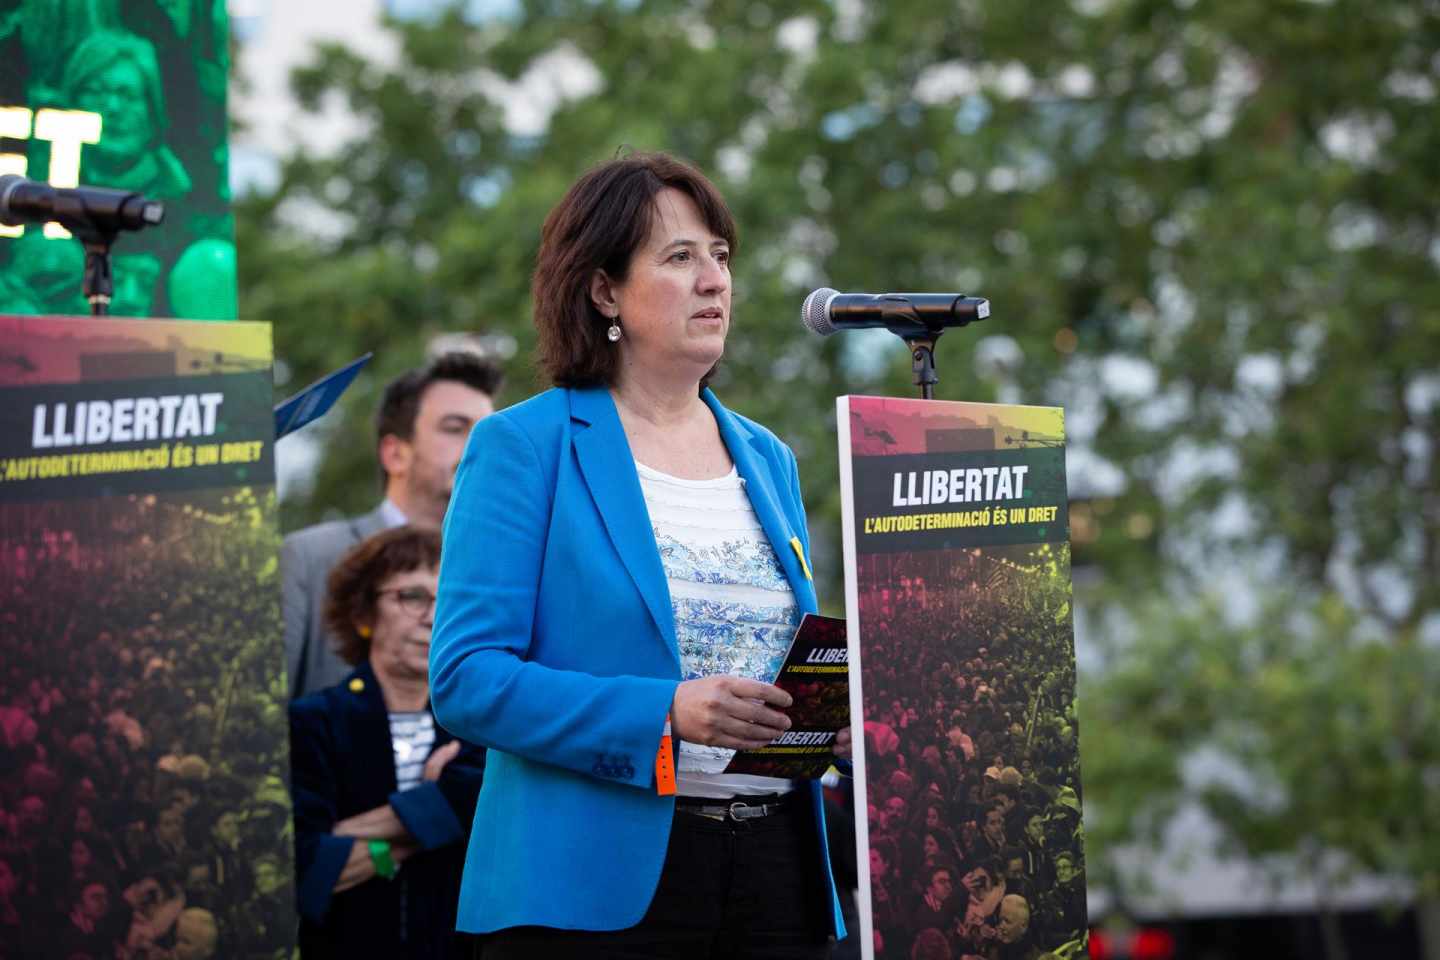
{"x":622,"y":558}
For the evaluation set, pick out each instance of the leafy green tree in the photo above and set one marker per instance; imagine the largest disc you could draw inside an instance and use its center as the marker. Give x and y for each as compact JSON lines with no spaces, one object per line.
{"x":1208,"y":230}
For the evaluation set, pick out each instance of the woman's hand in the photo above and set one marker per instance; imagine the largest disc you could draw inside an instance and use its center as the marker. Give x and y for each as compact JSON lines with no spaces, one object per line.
{"x":843,"y":747}
{"x":361,"y":866}
{"x":729,"y":712}
{"x":435,"y":763}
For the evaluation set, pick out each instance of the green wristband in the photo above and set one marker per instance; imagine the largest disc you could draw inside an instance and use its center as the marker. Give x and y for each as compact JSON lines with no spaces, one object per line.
{"x":380,"y":856}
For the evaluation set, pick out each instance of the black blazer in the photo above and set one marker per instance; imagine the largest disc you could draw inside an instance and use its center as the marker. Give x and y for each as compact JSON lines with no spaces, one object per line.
{"x":342,"y":763}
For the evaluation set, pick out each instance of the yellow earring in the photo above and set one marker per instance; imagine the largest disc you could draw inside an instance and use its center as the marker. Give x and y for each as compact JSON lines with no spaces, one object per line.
{"x":364,"y":631}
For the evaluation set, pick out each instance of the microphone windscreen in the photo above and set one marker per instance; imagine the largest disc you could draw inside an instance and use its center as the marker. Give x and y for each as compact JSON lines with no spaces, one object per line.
{"x":815,"y":311}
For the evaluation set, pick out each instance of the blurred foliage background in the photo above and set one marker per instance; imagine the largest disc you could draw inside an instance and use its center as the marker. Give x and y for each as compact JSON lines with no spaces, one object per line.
{"x":1209,"y":231}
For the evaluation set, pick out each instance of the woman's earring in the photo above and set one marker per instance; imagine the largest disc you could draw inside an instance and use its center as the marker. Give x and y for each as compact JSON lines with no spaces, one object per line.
{"x":614,"y":333}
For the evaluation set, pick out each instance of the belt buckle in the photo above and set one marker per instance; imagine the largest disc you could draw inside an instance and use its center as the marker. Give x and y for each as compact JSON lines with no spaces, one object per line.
{"x":740,"y":811}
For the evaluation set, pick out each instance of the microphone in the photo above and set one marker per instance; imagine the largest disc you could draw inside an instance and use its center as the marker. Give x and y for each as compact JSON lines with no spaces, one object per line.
{"x":81,"y":210}
{"x":903,"y":314}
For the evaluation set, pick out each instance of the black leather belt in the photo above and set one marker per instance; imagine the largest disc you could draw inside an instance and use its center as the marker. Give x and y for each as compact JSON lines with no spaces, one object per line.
{"x":751,"y":808}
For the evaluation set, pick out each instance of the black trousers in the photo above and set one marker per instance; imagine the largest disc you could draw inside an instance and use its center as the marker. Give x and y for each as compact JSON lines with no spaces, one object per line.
{"x":749,"y":889}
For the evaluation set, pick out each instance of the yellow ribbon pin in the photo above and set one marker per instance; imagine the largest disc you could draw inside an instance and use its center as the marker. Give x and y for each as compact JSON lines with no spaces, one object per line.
{"x":800,"y":553}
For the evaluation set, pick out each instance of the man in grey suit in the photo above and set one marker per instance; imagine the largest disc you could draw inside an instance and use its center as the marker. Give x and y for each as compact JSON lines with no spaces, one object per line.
{"x":421,"y":427}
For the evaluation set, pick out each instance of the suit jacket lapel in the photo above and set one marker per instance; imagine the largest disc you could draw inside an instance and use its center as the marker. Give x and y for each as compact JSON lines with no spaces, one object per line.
{"x":760,"y":478}
{"x":609,"y":471}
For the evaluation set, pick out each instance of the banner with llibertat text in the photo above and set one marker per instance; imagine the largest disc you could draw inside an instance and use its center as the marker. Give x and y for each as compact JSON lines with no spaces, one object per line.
{"x":72,"y":440}
{"x":144,"y":762}
{"x":962,"y":665}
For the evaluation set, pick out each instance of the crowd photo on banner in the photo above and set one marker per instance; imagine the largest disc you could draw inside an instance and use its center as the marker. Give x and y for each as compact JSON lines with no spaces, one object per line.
{"x":144,"y":813}
{"x":976,"y":845}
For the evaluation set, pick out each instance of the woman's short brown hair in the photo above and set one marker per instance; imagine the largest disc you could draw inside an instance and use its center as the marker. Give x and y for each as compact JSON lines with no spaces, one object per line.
{"x":350,"y":594}
{"x":602,"y":220}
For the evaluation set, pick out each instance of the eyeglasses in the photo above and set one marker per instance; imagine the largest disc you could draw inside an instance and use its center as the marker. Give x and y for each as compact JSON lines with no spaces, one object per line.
{"x":416,"y":601}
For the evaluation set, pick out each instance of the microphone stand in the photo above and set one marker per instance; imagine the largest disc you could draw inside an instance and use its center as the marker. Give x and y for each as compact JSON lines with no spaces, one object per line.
{"x":900,"y":315}
{"x":922,"y":355}
{"x":95,"y":216}
{"x":98,"y":284}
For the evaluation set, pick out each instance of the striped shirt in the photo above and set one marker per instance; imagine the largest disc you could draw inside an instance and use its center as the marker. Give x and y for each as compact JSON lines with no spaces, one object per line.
{"x":412,"y":734}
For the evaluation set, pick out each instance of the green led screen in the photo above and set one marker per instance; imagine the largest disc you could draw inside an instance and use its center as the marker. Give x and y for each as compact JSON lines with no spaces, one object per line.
{"x":127,"y":94}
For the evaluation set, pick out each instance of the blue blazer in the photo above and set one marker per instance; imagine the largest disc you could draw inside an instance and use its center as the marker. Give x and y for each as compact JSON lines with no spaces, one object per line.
{"x":554,"y":646}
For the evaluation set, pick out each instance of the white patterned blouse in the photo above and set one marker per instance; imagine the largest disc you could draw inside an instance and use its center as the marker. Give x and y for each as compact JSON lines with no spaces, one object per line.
{"x":735,"y":612}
